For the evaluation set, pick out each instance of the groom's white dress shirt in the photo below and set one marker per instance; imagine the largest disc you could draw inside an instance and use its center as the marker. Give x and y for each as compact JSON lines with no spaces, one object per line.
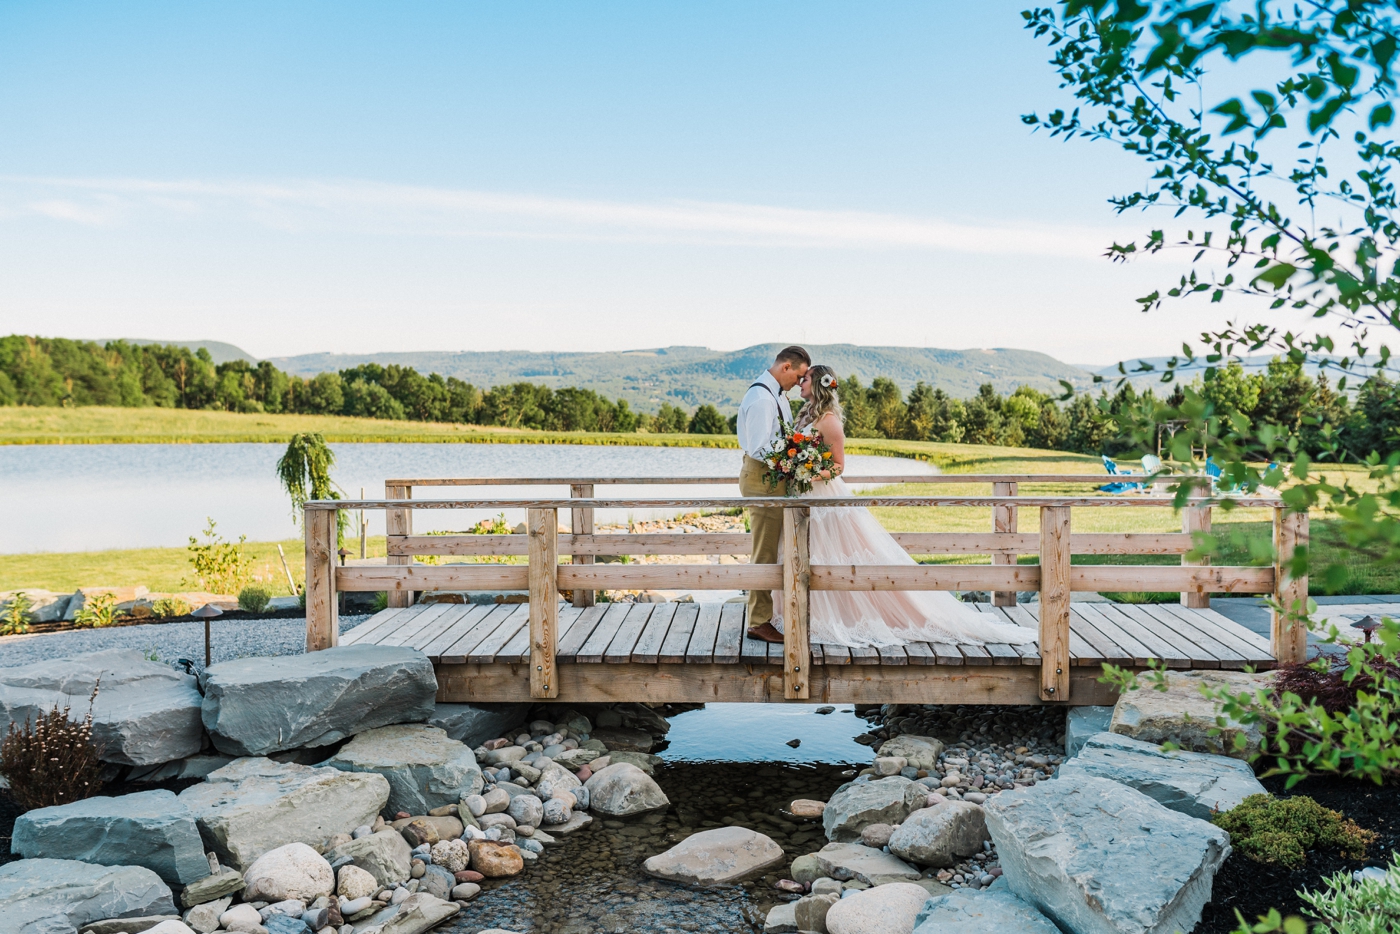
{"x":758,"y":416}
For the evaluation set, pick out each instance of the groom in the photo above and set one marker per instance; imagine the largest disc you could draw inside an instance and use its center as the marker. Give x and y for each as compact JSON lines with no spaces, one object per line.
{"x":762,"y":414}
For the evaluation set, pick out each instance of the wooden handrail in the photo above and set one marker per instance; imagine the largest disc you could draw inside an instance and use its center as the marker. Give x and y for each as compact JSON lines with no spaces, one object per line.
{"x":782,"y":502}
{"x":731,"y":479}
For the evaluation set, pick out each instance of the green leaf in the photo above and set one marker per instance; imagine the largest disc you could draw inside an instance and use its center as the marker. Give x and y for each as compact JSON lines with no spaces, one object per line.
{"x":1276,"y":275}
{"x":1321,"y":117}
{"x":1381,"y":115}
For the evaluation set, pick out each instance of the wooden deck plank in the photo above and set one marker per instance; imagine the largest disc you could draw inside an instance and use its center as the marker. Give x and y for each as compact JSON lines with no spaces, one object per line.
{"x":945,"y":653}
{"x":390,"y":617}
{"x":1106,"y":649}
{"x":518,"y":648}
{"x":573,"y":640}
{"x":1227,"y":656}
{"x":1002,"y":654}
{"x":1195,"y":656}
{"x":1134,"y":648}
{"x":1260,"y":643}
{"x":1229,"y":635}
{"x":424,"y":637}
{"x":816,"y":650}
{"x":459,"y":628}
{"x":865,"y":655}
{"x":619,"y":650}
{"x":648,"y":646}
{"x":596,"y":647}
{"x":1080,"y":652}
{"x":893,"y":655}
{"x":753,"y":650}
{"x":731,"y":632}
{"x":974,"y":654}
{"x":833,"y":654}
{"x":777,"y":654}
{"x":461,"y":650}
{"x":920,"y":653}
{"x":1167,"y":650}
{"x":486,"y":652}
{"x":1028,"y":653}
{"x":702,"y":640}
{"x":402,"y":634}
{"x":678,"y":635}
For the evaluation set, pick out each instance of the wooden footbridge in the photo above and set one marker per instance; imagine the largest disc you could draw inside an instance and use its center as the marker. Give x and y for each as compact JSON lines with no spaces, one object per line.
{"x":698,"y":652}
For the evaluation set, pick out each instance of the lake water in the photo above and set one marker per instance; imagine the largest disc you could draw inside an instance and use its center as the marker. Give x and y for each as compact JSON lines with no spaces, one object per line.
{"x":89,"y":497}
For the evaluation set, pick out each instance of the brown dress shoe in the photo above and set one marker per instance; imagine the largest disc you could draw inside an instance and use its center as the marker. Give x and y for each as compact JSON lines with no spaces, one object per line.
{"x":767,"y":632}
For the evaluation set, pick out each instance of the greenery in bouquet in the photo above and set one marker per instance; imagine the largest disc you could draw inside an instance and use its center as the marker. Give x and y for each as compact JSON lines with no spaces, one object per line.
{"x":798,"y":459}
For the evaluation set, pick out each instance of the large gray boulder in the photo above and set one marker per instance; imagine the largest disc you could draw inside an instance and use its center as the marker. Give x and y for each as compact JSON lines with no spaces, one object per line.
{"x":254,"y":805}
{"x":940,"y":835}
{"x":59,"y":896}
{"x":474,"y":724}
{"x":1097,"y":857}
{"x":256,"y":706}
{"x":997,"y":911}
{"x":922,"y":752}
{"x":1082,"y":723}
{"x":845,"y":861}
{"x":384,"y":855}
{"x":623,"y":790}
{"x":1194,"y":783}
{"x":1181,"y":715}
{"x":150,"y":828}
{"x":713,"y":857}
{"x":889,"y":909}
{"x":854,"y":806}
{"x":145,"y":713}
{"x":424,"y":767}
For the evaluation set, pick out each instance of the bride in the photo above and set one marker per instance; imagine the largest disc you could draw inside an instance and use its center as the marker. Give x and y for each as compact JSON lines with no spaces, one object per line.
{"x":850,"y":535}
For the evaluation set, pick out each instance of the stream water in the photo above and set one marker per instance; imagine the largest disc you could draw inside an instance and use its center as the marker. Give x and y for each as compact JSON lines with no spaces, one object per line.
{"x":726,"y":764}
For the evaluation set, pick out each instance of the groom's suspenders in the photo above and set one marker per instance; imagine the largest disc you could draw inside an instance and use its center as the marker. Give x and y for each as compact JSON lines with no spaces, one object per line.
{"x":776,"y":404}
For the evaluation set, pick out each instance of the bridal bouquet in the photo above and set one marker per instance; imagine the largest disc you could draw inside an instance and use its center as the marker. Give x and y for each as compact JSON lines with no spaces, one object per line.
{"x":798,"y":458}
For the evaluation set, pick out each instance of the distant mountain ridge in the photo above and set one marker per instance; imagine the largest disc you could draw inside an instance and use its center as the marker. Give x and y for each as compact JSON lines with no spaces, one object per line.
{"x":690,"y":376}
{"x":219,"y":352}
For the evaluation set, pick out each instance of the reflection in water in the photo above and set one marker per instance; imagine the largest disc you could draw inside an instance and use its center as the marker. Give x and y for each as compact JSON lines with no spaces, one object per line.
{"x":95,"y":496}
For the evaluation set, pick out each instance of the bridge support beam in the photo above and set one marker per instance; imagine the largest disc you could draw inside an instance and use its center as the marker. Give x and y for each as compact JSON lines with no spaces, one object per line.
{"x":797,"y":578}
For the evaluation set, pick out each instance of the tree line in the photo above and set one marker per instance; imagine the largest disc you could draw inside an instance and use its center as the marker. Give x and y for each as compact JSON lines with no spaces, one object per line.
{"x":57,"y":371}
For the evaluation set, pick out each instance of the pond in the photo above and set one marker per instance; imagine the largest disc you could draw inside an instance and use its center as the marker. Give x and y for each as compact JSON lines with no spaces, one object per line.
{"x":90,"y":497}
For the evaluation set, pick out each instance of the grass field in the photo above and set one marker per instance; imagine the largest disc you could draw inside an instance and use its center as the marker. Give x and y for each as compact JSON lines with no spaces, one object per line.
{"x":164,"y":569}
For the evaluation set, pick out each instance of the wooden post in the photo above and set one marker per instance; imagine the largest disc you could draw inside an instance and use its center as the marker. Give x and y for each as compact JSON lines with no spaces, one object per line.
{"x":398,"y":522}
{"x":542,"y":525}
{"x":1054,"y":603}
{"x":322,"y":620}
{"x":1195,"y":519}
{"x":1289,"y":631}
{"x":1004,"y":520}
{"x":797,"y":575}
{"x":581,"y":522}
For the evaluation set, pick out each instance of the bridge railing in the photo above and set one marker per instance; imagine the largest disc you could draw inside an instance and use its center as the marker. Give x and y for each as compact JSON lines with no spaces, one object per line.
{"x":543,"y":576}
{"x":1003,"y":544}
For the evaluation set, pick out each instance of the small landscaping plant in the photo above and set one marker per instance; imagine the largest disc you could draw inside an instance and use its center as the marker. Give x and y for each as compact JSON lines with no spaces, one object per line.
{"x":254,"y":598}
{"x":1359,"y":906}
{"x":15,"y":620}
{"x":220,"y":566}
{"x":1280,"y":831}
{"x":52,"y":760}
{"x":97,"y":611}
{"x":381,"y":601}
{"x":169,"y":607}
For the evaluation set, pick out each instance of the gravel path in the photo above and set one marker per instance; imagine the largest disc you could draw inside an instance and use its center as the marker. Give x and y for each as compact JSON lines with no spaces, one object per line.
{"x":168,"y":641}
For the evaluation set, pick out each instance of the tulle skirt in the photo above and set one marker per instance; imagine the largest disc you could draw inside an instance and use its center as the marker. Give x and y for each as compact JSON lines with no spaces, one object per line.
{"x":851,"y":535}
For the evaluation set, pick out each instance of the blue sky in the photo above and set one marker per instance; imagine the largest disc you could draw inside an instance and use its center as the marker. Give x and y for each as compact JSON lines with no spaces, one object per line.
{"x":358,"y":177}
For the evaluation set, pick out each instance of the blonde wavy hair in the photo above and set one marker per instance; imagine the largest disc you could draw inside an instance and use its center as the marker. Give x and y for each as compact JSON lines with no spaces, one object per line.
{"x":824,"y":396}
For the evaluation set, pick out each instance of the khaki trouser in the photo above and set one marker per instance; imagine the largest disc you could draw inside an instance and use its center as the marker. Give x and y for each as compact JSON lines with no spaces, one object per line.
{"x":767,"y":526}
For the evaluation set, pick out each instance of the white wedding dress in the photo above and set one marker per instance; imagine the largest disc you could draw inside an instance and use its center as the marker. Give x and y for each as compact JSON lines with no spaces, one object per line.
{"x":858,"y":618}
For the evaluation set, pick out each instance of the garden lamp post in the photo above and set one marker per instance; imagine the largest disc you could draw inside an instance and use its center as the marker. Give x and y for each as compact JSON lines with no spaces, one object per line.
{"x":1368,"y":625}
{"x":206,"y":613}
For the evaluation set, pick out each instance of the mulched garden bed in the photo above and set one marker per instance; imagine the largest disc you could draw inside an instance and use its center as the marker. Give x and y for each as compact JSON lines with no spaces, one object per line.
{"x":1253,"y":888}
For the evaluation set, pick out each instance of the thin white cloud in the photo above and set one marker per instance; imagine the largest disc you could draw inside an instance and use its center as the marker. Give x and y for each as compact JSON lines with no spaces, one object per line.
{"x":379,"y":208}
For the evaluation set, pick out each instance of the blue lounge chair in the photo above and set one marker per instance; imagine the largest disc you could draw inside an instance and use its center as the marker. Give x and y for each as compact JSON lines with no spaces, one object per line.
{"x":1114,"y":470}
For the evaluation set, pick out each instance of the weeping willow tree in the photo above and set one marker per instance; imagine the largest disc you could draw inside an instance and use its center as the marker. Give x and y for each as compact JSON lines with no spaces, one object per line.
{"x":305,"y":472}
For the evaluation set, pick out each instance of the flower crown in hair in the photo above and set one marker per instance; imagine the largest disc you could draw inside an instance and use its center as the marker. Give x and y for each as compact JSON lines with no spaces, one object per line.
{"x":829,"y":381}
